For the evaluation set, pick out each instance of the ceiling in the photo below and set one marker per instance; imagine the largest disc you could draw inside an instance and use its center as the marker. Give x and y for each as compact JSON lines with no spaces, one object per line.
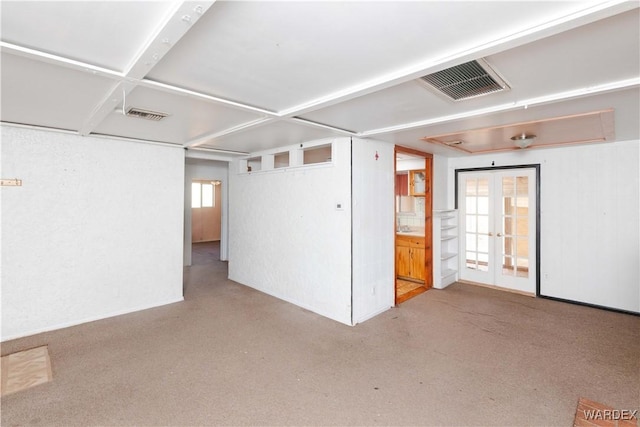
{"x":242,"y":77}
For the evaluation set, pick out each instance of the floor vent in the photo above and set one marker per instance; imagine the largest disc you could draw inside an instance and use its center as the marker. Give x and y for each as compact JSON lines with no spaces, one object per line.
{"x":468,"y":80}
{"x":146,"y":114}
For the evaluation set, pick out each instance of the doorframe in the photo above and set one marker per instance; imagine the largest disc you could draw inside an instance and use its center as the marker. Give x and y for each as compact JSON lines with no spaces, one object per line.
{"x":214,"y":170}
{"x":535,"y":166}
{"x":428,"y":216}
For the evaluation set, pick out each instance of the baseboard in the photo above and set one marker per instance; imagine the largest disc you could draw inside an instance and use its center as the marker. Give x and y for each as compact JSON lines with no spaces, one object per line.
{"x":331,"y":316}
{"x":87,"y":320}
{"x":586,"y":304}
{"x":371,"y":315}
{"x":567,"y":301}
{"x":498,"y":288}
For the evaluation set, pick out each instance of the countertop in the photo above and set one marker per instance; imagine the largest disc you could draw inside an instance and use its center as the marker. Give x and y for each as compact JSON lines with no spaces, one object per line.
{"x":413,"y":231}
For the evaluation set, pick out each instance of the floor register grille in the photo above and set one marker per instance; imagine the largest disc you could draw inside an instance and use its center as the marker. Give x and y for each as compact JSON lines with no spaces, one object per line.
{"x":25,"y":369}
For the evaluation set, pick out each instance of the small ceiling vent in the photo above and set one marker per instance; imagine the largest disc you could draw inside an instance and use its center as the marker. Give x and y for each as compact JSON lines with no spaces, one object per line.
{"x":146,"y":114}
{"x":468,"y":80}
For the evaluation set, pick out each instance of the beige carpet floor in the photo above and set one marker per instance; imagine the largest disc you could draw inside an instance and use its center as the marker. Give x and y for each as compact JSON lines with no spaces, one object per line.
{"x":229,"y":355}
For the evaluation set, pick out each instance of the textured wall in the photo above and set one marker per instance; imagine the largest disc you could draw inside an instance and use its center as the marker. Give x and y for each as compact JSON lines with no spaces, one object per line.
{"x":590,"y":219}
{"x":373,"y":228}
{"x":439,"y":194}
{"x":95,"y":230}
{"x":286,"y":237}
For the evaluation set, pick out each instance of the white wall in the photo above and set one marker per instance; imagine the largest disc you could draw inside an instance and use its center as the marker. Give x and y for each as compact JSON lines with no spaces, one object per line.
{"x":439,"y":192}
{"x":208,"y":170}
{"x":590,"y":219}
{"x":94,"y":231}
{"x":410,"y":164}
{"x":373,"y":228}
{"x":286,"y":237}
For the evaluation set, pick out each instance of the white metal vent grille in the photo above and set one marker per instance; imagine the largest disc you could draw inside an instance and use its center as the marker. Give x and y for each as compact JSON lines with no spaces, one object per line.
{"x":468,"y":80}
{"x":146,"y":114}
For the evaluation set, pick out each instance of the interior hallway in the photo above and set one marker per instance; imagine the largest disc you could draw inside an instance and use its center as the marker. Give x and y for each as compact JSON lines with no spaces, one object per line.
{"x":229,"y":355}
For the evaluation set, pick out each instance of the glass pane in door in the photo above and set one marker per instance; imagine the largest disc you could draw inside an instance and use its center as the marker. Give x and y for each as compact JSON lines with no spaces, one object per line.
{"x":477,"y":223}
{"x":498,"y":228}
{"x":515,"y":226}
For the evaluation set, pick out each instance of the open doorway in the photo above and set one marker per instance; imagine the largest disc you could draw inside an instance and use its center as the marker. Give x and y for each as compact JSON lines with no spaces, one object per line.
{"x":205,"y":172}
{"x":206,"y":221}
{"x":413,"y":223}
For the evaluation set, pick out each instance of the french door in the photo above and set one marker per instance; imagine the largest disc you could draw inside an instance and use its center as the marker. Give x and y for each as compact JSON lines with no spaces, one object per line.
{"x":498,"y":228}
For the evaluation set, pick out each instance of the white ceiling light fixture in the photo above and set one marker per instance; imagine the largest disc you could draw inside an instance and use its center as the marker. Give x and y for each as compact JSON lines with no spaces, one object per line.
{"x":523,"y":140}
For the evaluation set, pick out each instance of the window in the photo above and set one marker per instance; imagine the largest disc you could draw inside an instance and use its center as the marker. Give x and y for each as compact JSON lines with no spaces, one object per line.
{"x":203,"y":194}
{"x":319,"y":154}
{"x":281,"y":160}
{"x":207,"y":195}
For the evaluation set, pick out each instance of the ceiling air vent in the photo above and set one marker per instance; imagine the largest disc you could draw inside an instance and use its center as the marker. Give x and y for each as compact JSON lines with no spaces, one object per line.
{"x":146,"y":114}
{"x":468,"y":80}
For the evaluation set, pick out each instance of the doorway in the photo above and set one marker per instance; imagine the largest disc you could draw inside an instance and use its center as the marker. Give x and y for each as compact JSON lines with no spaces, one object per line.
{"x":499,"y":227}
{"x":413,"y":223}
{"x":206,"y":212}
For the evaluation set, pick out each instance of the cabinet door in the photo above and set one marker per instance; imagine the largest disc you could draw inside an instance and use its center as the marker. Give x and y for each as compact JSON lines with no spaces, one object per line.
{"x":403,"y":261}
{"x":417,"y":263}
{"x":417,"y":183}
{"x":402,"y":184}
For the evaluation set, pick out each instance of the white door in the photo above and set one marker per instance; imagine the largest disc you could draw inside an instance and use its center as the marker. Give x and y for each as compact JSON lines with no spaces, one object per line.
{"x":498,"y":228}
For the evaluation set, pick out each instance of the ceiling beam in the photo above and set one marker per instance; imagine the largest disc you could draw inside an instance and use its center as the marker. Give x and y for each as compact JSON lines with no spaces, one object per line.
{"x":526,"y":103}
{"x":310,"y":123}
{"x":199,"y":95}
{"x":178,"y":21}
{"x":183,"y":15}
{"x":556,"y":25}
{"x":49,"y":58}
{"x":202,"y":139}
{"x":175,"y":24}
{"x":115,"y":96}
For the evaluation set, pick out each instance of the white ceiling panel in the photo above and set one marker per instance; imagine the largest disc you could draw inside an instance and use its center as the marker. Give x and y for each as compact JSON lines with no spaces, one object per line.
{"x":573,"y":60}
{"x":104,"y":33}
{"x":404,"y":103}
{"x":274,"y":134}
{"x":587,"y":56}
{"x":277,"y":55}
{"x":626,"y":106}
{"x":188,"y":118}
{"x":42,"y":94}
{"x":255,"y":75}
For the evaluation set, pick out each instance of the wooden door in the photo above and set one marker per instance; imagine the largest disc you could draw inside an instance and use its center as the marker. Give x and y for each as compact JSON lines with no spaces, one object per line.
{"x":416,"y":259}
{"x":206,"y":213}
{"x":403,"y":261}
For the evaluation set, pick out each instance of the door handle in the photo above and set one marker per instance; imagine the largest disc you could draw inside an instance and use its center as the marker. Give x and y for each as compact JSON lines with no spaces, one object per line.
{"x":490,"y":234}
{"x":499,"y":234}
